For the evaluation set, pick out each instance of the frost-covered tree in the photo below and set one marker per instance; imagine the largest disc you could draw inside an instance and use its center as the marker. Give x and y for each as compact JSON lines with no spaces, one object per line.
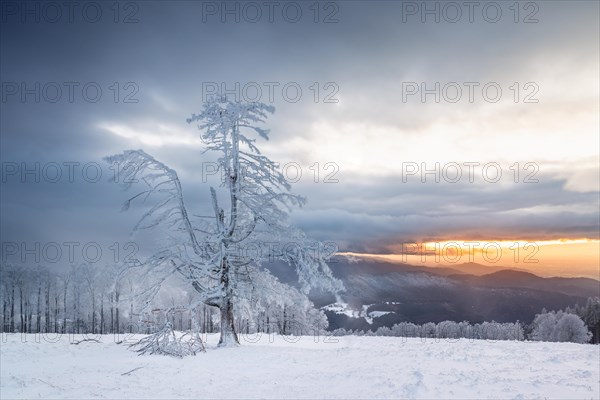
{"x":559,"y":327}
{"x":290,"y":312}
{"x":570,"y":328}
{"x":221,"y":257}
{"x":543,"y":326}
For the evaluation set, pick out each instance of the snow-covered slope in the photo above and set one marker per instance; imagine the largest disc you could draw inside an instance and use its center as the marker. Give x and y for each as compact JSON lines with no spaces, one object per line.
{"x":273,"y":367}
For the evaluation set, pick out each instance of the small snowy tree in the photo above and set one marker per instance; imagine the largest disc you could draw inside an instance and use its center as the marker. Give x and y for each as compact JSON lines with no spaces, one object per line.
{"x":211,"y":254}
{"x":543,"y":326}
{"x":570,"y":328}
{"x":559,"y":327}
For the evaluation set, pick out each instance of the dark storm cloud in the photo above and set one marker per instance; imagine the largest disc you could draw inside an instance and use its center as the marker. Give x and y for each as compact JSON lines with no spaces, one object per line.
{"x":162,"y":61}
{"x":375,"y":216}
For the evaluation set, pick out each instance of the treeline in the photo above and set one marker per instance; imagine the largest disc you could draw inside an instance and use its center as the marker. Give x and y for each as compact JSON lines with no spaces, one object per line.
{"x":102,"y":300}
{"x":82,"y":299}
{"x":576,"y":325}
{"x":93,"y":299}
{"x":446,"y":330}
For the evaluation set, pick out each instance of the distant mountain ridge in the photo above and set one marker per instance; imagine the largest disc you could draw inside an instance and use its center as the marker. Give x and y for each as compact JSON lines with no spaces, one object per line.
{"x":381,"y":293}
{"x":519,"y":279}
{"x":472,"y":268}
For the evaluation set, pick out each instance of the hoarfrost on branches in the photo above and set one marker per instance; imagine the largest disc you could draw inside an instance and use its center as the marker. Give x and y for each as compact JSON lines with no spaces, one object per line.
{"x":210,"y":253}
{"x":559,"y":327}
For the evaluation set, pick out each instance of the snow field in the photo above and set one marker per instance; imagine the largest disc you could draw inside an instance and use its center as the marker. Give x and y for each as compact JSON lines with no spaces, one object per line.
{"x":347,"y":367}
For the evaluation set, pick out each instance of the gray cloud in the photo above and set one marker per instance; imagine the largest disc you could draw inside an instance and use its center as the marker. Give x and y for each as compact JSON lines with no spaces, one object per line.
{"x":170,"y":52}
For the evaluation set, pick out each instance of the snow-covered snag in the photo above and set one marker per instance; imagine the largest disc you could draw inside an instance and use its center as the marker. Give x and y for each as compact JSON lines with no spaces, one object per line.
{"x":255,"y":211}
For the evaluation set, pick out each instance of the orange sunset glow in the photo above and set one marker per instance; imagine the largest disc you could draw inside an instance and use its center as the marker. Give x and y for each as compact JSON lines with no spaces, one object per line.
{"x":557,"y":257}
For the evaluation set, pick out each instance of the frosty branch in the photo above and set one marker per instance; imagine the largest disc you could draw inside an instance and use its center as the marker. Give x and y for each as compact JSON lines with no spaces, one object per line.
{"x":253,"y":208}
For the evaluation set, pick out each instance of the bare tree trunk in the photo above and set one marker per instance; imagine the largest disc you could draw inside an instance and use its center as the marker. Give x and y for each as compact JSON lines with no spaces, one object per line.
{"x":102,"y":314}
{"x":56,"y":297}
{"x":48,"y":307}
{"x":12,"y":311}
{"x":29,"y":318}
{"x":112,"y":314}
{"x":64,"y":327}
{"x":130,"y":317}
{"x":22,"y":328}
{"x":93,"y":312}
{"x":75,"y":323}
{"x":4,"y":315}
{"x":228,"y":336}
{"x":39,"y":310}
{"x":117,"y":323}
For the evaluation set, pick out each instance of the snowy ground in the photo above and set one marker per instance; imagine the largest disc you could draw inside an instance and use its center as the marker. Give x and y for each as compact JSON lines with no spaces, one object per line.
{"x":354,"y":367}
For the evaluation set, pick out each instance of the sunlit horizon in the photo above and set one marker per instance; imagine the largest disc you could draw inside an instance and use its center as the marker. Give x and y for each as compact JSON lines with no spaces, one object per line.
{"x":565,"y":257}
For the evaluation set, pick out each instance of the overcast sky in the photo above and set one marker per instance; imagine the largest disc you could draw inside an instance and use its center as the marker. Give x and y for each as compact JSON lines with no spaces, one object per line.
{"x":368,"y":130}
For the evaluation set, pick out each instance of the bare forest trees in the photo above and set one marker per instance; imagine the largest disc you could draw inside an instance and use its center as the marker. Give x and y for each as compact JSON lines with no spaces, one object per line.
{"x":39,"y":300}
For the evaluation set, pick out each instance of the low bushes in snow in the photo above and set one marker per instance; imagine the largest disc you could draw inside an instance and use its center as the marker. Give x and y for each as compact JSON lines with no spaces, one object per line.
{"x":447,"y":330}
{"x":548,"y":327}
